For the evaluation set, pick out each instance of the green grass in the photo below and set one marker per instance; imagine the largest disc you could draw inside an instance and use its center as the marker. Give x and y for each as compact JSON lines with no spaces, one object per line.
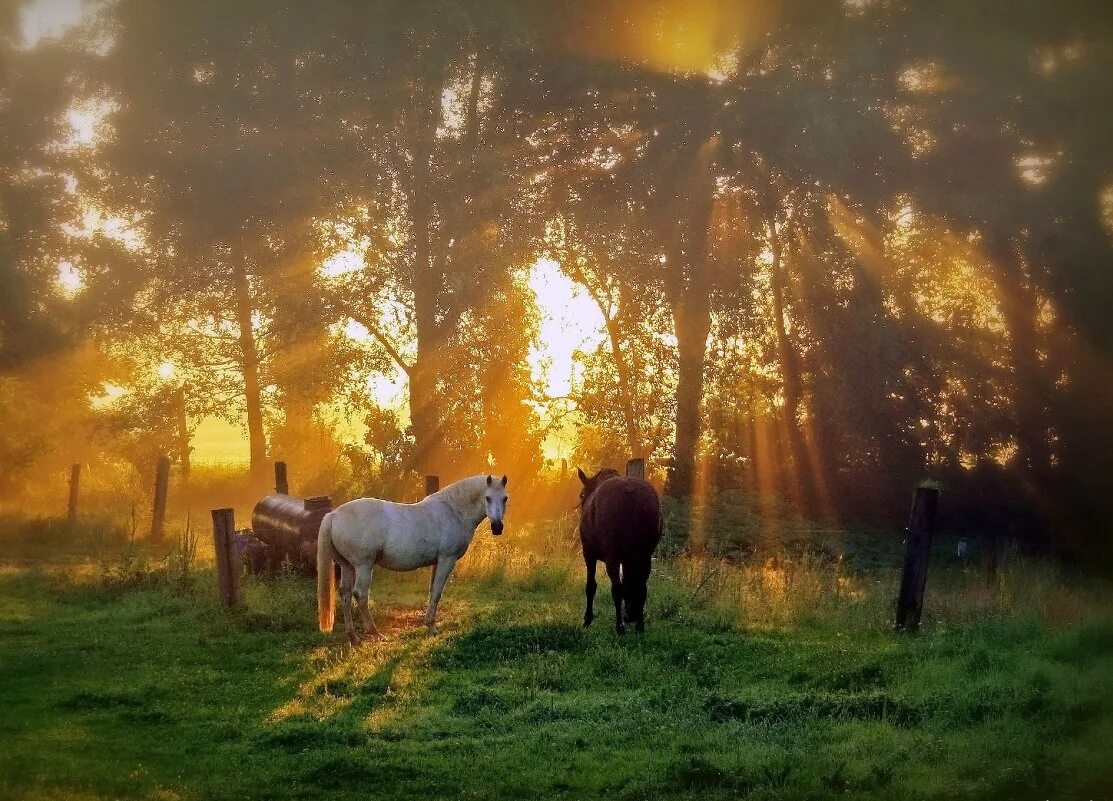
{"x":123,"y":678}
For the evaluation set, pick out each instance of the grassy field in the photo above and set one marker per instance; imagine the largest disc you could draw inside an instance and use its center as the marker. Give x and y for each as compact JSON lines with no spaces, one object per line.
{"x":765,"y":679}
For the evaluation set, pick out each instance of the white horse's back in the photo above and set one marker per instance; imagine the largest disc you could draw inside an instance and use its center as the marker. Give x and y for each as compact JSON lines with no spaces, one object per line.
{"x":398,"y":536}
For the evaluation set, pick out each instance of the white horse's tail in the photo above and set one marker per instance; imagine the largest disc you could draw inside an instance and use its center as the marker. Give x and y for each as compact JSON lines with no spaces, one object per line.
{"x":326,"y":576}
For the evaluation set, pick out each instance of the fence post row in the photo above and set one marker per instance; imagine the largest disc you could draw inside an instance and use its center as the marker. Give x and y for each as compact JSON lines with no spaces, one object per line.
{"x":921,"y":520}
{"x":635,"y":468}
{"x":432,"y":484}
{"x":227,"y":565}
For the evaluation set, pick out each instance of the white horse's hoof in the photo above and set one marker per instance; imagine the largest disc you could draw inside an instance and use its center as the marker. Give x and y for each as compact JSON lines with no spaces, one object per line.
{"x":433,"y":631}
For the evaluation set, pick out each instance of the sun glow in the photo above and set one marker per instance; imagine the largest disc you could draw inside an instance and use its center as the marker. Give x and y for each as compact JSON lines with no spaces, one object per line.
{"x":570,"y":322}
{"x":69,"y":279}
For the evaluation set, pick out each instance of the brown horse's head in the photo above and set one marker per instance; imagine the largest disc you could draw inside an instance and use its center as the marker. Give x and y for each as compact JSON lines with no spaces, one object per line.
{"x":590,"y":484}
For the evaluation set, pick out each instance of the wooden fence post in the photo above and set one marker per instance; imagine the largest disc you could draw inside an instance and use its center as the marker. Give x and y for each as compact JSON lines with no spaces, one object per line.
{"x":921,"y":520}
{"x":432,"y":484}
{"x":75,"y":481}
{"x":158,"y":513}
{"x":635,"y":468}
{"x":281,"y":485}
{"x":563,"y":469}
{"x":989,"y":542}
{"x":227,"y":566}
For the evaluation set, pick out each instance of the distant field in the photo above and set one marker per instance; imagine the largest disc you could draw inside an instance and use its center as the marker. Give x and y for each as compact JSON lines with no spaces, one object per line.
{"x":121,"y":677}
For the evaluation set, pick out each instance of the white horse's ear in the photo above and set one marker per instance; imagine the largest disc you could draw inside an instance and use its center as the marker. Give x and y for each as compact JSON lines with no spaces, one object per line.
{"x":583,"y":478}
{"x":489,"y":479}
{"x":504,"y":481}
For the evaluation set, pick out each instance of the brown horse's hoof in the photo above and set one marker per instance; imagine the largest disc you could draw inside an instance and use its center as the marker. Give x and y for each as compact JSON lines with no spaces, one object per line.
{"x":587,"y":621}
{"x":620,"y":629}
{"x":639,"y":628}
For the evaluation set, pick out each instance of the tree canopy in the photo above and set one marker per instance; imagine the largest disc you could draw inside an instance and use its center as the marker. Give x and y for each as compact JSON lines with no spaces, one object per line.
{"x":834,"y":247}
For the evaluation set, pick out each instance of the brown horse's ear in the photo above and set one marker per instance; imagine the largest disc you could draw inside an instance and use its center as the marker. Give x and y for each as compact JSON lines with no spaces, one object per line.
{"x":583,"y":478}
{"x":489,"y":479}
{"x":504,"y":481}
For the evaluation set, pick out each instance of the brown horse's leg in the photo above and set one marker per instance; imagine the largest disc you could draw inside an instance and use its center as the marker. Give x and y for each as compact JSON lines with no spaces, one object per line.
{"x":589,"y":590}
{"x":635,"y":576}
{"x":616,"y":594}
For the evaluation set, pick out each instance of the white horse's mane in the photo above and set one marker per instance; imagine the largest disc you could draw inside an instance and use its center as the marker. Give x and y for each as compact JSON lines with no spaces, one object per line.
{"x":462,"y":493}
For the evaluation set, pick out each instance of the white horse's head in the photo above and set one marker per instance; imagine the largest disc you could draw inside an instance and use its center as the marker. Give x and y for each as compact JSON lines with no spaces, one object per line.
{"x":495,"y":498}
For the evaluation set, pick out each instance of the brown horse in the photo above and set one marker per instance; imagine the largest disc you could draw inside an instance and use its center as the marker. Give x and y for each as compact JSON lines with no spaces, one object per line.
{"x":620,"y":524}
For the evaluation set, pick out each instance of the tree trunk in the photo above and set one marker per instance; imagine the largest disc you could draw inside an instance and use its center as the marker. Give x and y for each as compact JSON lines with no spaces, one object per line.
{"x":692,"y":319}
{"x":800,"y":475}
{"x":428,"y":283}
{"x":625,"y":389}
{"x":1019,"y":308}
{"x":249,"y":358}
{"x":688,"y":289}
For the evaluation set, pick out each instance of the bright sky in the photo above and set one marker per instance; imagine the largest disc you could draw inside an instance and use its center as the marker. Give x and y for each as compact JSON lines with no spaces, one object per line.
{"x":570,"y":321}
{"x":48,"y":19}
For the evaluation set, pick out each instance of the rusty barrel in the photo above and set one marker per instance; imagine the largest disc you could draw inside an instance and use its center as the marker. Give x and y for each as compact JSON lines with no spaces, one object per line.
{"x":289,"y":528}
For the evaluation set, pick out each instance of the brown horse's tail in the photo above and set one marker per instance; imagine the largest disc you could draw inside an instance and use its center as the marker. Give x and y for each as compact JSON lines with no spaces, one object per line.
{"x":326,"y":577}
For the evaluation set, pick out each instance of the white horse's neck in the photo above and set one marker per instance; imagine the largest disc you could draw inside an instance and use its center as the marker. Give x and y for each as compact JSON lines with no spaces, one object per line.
{"x":466,"y":500}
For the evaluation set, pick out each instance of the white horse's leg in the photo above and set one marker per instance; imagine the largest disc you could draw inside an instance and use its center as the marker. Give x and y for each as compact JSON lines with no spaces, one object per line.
{"x":444,"y":569}
{"x":362,"y":592}
{"x":347,"y":583}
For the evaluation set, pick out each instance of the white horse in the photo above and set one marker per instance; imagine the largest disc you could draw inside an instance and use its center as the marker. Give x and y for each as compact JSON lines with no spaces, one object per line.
{"x":400,"y":536}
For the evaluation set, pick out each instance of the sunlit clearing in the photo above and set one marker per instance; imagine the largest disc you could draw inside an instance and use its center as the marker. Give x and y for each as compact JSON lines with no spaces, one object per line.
{"x":217,"y":441}
{"x":166,"y":369}
{"x":69,"y":279}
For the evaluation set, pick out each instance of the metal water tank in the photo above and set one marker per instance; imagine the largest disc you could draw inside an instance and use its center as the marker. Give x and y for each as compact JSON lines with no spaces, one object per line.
{"x":289,"y":527}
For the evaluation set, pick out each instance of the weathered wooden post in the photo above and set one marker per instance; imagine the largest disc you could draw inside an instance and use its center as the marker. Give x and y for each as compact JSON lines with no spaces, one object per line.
{"x":281,"y":485}
{"x":563,"y":469}
{"x":635,"y":468}
{"x":227,"y":566}
{"x":432,"y":484}
{"x":989,"y":542}
{"x":158,"y":513}
{"x":910,"y":603}
{"x":75,"y":481}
